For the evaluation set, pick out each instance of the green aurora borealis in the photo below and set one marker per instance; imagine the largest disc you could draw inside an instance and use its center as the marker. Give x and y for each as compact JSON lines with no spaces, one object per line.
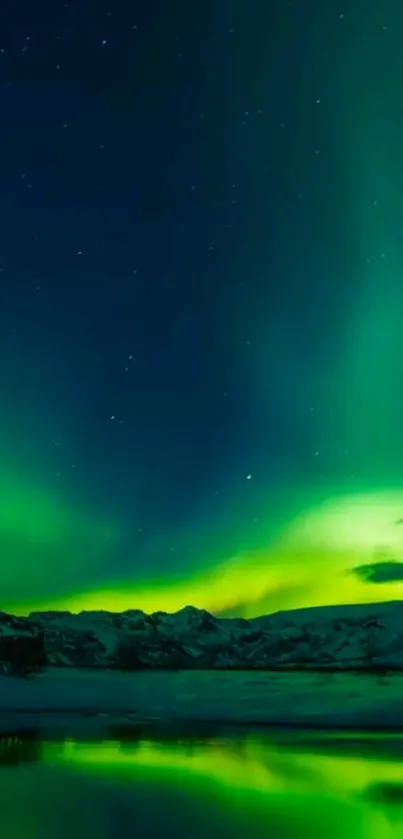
{"x":312,"y":527}
{"x":308,"y":563}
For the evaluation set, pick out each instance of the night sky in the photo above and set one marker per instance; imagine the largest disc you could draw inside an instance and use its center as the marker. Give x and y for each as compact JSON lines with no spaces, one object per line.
{"x":201,"y":304}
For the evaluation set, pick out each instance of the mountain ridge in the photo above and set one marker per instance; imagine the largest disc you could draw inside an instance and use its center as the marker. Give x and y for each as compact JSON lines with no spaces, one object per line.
{"x":351,"y":637}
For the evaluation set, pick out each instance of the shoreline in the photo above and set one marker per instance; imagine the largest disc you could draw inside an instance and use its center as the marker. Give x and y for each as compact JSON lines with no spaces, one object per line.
{"x":68,"y":697}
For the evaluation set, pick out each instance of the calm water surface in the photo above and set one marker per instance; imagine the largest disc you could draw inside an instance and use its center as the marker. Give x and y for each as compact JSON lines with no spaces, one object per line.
{"x":246,"y":785}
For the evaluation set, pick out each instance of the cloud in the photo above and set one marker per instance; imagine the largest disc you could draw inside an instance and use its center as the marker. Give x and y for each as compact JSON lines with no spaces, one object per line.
{"x":380,"y":572}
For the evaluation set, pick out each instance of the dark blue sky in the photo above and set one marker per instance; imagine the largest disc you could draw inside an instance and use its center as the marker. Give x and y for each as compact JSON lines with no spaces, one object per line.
{"x":176,"y":267}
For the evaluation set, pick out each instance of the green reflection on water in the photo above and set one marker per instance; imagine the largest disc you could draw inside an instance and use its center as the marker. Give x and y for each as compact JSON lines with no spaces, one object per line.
{"x":255,"y":786}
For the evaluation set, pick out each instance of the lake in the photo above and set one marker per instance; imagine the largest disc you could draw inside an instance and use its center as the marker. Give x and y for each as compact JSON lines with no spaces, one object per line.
{"x":247,"y":783}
